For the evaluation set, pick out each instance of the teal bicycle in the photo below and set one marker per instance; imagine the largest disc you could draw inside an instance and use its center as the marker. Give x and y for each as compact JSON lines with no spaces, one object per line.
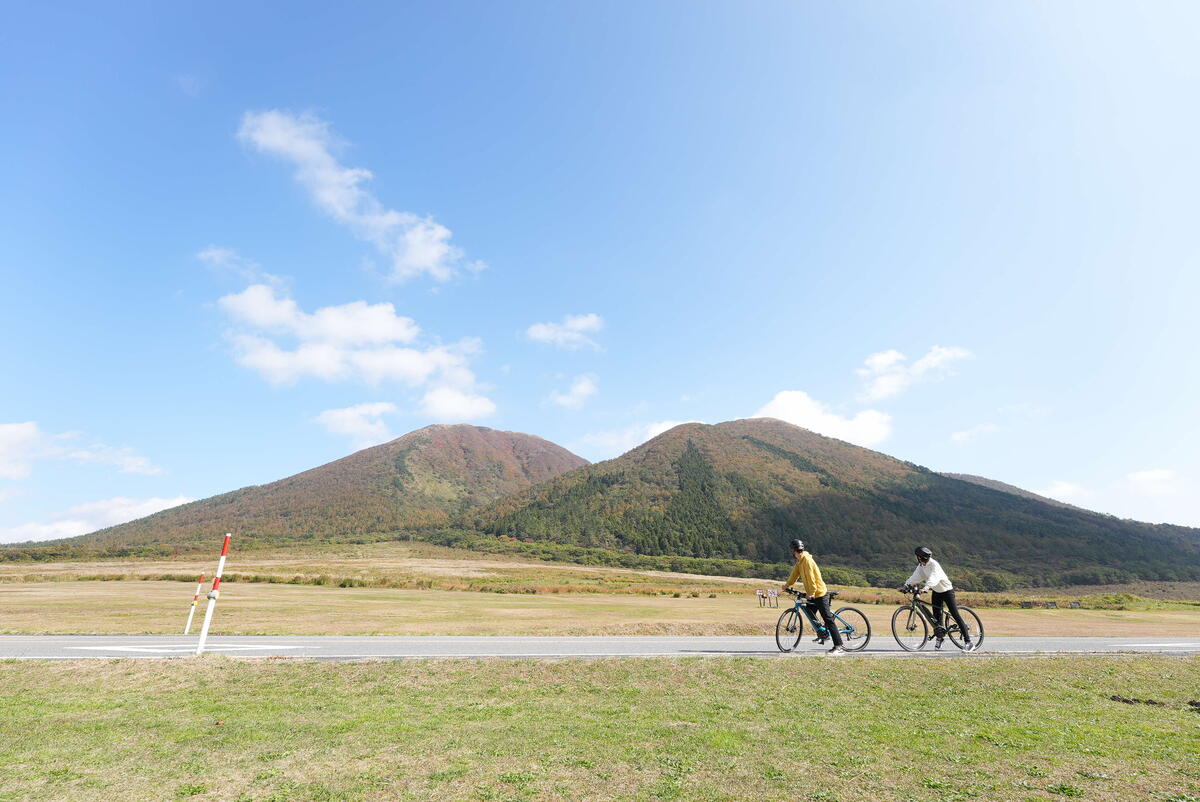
{"x":853,"y":626}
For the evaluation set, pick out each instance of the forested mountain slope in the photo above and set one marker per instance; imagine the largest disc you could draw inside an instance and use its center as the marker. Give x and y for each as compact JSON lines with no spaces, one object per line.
{"x":422,"y":479}
{"x":742,"y":489}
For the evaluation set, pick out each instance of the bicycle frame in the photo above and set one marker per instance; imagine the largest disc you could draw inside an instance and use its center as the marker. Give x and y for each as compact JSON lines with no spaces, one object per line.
{"x":802,"y":606}
{"x":925,"y":609}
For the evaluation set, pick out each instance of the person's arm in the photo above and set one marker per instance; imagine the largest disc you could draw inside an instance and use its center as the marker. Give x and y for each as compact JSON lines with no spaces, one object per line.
{"x":916,"y":578}
{"x":808,"y":569}
{"x":794,"y":576}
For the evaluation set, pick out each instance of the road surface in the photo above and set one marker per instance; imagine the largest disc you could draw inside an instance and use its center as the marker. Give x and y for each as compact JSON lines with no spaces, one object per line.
{"x":383,"y":647}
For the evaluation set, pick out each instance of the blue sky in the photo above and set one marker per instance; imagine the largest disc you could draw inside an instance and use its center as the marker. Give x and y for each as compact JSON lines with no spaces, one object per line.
{"x":238,"y":242}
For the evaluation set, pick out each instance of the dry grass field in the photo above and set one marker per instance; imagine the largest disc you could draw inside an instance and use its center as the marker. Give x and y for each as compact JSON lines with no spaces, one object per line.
{"x":413,"y":565}
{"x":410,"y":589}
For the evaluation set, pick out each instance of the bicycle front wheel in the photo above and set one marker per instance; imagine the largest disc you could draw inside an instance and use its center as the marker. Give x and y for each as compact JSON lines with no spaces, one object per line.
{"x":974,"y":628}
{"x":854,"y":628}
{"x":909,"y":628}
{"x":788,"y":630}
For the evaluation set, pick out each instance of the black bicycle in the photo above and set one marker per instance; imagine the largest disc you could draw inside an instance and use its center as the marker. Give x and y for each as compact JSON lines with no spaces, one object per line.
{"x":913,"y":624}
{"x":853,"y":626}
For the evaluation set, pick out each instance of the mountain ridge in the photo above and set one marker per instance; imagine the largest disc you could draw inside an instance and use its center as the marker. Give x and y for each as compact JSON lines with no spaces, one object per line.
{"x":732,"y":491}
{"x":741,"y":489}
{"x":421,"y":479}
{"x":1005,"y":487}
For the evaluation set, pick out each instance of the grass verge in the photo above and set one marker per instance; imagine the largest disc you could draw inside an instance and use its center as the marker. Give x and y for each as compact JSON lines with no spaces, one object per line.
{"x":697,"y":729}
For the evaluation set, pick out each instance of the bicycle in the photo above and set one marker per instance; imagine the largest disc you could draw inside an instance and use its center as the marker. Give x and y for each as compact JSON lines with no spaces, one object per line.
{"x":912,"y":623}
{"x":854,"y":627}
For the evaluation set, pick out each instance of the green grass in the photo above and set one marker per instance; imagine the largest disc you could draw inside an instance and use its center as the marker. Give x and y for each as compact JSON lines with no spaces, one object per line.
{"x":696,"y":729}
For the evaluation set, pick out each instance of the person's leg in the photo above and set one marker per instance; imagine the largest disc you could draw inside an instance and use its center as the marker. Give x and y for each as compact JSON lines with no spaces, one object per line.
{"x":831,"y":623}
{"x":938,"y":600}
{"x":814,"y":610}
{"x":952,"y":606}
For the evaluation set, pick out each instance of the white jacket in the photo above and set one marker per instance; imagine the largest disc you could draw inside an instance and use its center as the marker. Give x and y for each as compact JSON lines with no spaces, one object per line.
{"x":932,"y":575}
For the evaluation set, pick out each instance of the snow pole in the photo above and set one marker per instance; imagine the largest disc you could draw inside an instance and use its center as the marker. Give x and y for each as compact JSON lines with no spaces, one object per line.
{"x":192,"y":610}
{"x":212,"y":596}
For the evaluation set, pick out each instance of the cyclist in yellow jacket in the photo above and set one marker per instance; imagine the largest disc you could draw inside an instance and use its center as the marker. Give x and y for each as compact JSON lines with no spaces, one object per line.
{"x":818,"y":595}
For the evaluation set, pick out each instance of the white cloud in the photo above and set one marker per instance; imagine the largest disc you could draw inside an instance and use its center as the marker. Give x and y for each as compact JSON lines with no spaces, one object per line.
{"x":412,"y":244}
{"x":974,"y":433}
{"x":867,"y":428}
{"x":20,"y":444}
{"x":354,"y":323}
{"x":230,"y":261}
{"x":84,"y":518}
{"x":1067,"y":492}
{"x":190,"y":85}
{"x":583,"y":388}
{"x":572,"y":333}
{"x":614,"y":442}
{"x":452,"y":405}
{"x":363,"y":423}
{"x":1157,"y":482}
{"x":125,"y":459}
{"x":655,"y":429}
{"x":888,"y":373}
{"x":355,"y":341}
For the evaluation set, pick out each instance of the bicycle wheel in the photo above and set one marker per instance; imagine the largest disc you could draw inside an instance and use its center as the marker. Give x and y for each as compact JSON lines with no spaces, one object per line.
{"x":909,"y":628}
{"x":974,"y":627}
{"x":854,"y":628}
{"x":788,"y":630}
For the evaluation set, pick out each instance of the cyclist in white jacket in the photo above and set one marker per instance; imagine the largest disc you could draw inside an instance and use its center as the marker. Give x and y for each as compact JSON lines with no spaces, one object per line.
{"x":930,"y":572}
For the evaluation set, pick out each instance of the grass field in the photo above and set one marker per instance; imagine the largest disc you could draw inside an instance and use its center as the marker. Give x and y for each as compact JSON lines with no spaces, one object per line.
{"x":269,"y":609}
{"x":696,"y":729}
{"x":417,"y":588}
{"x":418,"y":565}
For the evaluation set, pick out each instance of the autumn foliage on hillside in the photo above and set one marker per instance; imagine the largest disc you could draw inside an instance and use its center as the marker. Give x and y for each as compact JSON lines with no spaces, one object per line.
{"x":423,"y":479}
{"x":742,"y":489}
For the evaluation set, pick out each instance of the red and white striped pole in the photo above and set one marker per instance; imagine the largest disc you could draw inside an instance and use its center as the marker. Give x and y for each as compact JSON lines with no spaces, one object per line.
{"x":212,"y":596}
{"x":192,"y":610}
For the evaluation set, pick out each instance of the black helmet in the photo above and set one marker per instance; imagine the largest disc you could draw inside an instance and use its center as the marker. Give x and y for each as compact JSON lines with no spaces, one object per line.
{"x":923,"y":553}
{"x":796,"y":545}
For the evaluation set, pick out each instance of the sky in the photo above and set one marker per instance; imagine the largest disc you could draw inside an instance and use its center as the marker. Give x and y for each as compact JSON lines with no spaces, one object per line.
{"x":238,"y":241}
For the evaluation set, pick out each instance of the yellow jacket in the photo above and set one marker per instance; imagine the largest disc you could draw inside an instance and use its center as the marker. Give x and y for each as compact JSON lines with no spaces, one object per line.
{"x":806,"y":569}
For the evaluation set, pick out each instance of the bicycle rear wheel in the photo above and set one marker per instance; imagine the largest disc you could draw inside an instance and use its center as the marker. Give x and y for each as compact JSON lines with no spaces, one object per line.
{"x":788,"y":630}
{"x":854,"y":627}
{"x":974,"y":628}
{"x":909,"y":628}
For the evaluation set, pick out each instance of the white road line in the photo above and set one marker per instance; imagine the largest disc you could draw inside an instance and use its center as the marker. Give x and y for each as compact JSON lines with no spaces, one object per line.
{"x":181,"y":649}
{"x":1160,"y":646}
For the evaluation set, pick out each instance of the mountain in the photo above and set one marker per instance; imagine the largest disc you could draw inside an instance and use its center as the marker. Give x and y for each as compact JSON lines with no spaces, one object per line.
{"x":1005,"y":487}
{"x":742,"y":489}
{"x":422,"y":479}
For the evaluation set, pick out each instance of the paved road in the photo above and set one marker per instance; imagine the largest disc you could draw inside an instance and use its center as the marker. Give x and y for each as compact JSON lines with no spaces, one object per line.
{"x":333,"y":647}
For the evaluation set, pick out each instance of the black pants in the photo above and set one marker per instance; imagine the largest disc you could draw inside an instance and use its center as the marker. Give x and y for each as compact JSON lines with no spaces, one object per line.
{"x":947,"y":598}
{"x":821,"y":605}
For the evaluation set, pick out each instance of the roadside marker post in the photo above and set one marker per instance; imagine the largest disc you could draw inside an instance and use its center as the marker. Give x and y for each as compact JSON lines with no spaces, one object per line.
{"x":192,"y":610}
{"x":212,"y":595}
